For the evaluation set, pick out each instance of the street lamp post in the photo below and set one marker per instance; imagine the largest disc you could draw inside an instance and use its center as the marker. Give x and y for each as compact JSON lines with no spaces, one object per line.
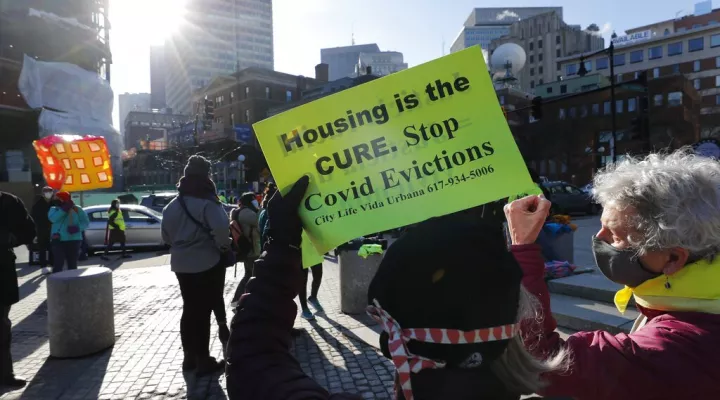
{"x":241,"y":167}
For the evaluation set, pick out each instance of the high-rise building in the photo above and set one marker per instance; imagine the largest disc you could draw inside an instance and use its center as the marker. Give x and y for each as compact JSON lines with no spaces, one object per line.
{"x":217,"y":37}
{"x":545,"y":39}
{"x":157,"y":78}
{"x":486,"y":24}
{"x":343,"y":61}
{"x":128,"y":102}
{"x":380,"y":63}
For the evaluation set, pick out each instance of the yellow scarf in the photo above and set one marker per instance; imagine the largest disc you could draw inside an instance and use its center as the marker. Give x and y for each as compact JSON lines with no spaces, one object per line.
{"x":694,"y":288}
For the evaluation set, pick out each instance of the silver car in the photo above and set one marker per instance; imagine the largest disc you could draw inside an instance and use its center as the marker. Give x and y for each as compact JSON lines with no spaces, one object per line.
{"x":142,"y":226}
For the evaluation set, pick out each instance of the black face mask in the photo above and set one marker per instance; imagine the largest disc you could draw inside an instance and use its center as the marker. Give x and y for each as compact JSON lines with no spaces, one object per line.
{"x":620,"y":266}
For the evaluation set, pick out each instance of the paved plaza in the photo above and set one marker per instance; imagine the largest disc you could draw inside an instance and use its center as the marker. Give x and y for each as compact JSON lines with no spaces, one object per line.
{"x":145,"y":362}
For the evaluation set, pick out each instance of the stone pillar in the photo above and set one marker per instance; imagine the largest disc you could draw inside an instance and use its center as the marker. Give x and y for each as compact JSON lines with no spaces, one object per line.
{"x":81,"y":317}
{"x":356,"y":273}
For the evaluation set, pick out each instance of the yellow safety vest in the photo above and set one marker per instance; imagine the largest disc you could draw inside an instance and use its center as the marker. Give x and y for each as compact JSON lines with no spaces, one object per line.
{"x":119,"y":221}
{"x":222,"y":198}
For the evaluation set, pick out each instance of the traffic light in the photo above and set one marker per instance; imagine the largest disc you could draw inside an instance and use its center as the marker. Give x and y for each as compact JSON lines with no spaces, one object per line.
{"x":209,"y":109}
{"x":536,"y":111}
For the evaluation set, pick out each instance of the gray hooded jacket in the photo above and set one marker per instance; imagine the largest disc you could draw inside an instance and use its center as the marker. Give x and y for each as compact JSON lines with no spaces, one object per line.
{"x":192,"y":249}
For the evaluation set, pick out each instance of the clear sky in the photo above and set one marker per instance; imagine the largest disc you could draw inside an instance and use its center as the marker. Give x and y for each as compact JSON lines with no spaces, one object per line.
{"x":417,"y":28}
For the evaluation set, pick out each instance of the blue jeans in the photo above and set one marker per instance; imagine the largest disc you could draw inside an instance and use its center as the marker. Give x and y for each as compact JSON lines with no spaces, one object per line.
{"x":65,"y":252}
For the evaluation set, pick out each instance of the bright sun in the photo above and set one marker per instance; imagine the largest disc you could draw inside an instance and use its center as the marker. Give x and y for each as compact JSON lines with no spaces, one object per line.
{"x":148,"y":21}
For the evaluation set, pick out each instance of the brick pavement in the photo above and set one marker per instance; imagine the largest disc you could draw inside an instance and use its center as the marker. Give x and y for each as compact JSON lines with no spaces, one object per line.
{"x":145,"y":362}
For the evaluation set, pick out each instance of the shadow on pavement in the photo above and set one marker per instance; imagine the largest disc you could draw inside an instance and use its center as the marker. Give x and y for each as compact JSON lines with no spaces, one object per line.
{"x":207,"y":387}
{"x":30,"y":286}
{"x":70,"y":377}
{"x":33,"y":330}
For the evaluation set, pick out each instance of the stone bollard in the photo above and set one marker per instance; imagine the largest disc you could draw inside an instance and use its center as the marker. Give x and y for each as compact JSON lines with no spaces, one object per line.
{"x":81,"y":318}
{"x":356,"y":273}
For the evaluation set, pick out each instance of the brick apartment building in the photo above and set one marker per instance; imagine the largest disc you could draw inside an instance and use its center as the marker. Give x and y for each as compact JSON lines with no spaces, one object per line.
{"x":688,"y":46}
{"x":574,"y":136}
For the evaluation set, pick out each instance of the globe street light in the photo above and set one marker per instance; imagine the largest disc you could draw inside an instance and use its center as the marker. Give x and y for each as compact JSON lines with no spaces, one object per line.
{"x":241,"y":159}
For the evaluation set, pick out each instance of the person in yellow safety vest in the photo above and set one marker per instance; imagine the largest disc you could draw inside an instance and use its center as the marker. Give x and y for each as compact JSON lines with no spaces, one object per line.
{"x":115,"y":230}
{"x":222,"y":197}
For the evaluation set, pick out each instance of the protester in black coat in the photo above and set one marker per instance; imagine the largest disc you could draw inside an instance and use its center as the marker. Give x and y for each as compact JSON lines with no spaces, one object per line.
{"x":16,"y":228}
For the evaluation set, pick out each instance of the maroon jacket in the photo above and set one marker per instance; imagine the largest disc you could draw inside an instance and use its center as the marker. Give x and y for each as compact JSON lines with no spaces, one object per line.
{"x":260,"y":366}
{"x":676,"y":355}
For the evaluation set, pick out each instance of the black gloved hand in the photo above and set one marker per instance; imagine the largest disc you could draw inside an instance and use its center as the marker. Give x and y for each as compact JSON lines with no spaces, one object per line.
{"x":284,"y":224}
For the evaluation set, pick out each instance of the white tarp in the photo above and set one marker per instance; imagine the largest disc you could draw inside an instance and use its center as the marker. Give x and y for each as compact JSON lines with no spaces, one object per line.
{"x":66,"y":87}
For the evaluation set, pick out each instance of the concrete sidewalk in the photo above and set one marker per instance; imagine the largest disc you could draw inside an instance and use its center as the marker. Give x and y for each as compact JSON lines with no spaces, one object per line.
{"x":145,"y":362}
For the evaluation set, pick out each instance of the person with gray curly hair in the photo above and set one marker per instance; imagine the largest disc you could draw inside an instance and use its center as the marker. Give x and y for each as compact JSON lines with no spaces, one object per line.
{"x":659,"y":238}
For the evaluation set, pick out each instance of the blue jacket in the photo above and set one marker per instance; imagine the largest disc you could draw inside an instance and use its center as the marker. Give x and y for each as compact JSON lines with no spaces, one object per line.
{"x":61,"y":220}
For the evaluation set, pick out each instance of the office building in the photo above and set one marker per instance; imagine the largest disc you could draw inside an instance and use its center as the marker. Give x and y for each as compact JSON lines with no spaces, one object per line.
{"x":688,"y":46}
{"x":128,"y":102}
{"x":218,"y":37}
{"x":545,"y":39}
{"x":487,"y":24}
{"x":157,"y":78}
{"x":342,"y":61}
{"x":380,"y":63}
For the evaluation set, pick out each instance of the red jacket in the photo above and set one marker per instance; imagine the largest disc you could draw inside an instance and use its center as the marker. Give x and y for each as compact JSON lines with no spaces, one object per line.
{"x":676,"y":355}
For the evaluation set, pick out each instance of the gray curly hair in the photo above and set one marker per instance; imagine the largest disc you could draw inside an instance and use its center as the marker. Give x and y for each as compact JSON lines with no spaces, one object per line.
{"x":675,"y":198}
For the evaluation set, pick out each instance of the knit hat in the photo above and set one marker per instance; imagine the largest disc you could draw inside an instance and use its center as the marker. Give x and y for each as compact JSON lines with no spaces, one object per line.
{"x":63,"y":196}
{"x":197,"y":166}
{"x":438,"y":289}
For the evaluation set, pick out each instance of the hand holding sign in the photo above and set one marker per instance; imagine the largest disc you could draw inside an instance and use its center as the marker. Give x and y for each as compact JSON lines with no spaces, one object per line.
{"x":284,"y":224}
{"x":416,"y":144}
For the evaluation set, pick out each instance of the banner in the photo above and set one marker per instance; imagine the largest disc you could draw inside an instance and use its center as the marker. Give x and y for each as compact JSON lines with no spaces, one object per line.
{"x":420,"y":143}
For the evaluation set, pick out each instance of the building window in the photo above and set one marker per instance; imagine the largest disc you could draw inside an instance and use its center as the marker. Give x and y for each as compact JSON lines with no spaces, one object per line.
{"x":656,"y":72}
{"x":573,"y":112}
{"x":588,"y":66}
{"x":595,"y":109}
{"x":532,"y":58}
{"x":675,"y":48}
{"x":696,"y":65}
{"x":540,"y":81}
{"x":247,"y":115}
{"x":636,"y":56}
{"x":717,"y":80}
{"x":676,"y":69}
{"x":288,"y":96}
{"x":268,"y":93}
{"x":532,"y":71}
{"x":601,"y":63}
{"x":606,"y":108}
{"x":715,"y":40}
{"x":619,"y":106}
{"x":531,"y":46}
{"x":655,"y":52}
{"x":563,"y":88}
{"x":247,"y":92}
{"x":540,"y":44}
{"x":696,"y":44}
{"x":674,"y":99}
{"x":540,"y":70}
{"x":618,"y":78}
{"x":559,"y":67}
{"x":557,"y":39}
{"x":571,"y":69}
{"x":717,"y":62}
{"x":583,"y":111}
{"x":502,"y":100}
{"x":696,"y":84}
{"x":532,"y":84}
{"x":561,"y":113}
{"x":657,"y":100}
{"x":558,"y":53}
{"x":632,"y":104}
{"x":619,"y":59}
{"x":549,"y":89}
{"x":717,"y":99}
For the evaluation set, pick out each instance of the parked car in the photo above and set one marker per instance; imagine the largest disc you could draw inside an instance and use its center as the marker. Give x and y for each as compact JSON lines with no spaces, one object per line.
{"x":142,"y":227}
{"x":158,"y":201}
{"x":568,"y":198}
